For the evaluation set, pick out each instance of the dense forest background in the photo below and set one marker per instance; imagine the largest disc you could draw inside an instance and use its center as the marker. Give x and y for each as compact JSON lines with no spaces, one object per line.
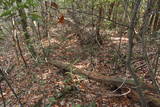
{"x":79,"y":53}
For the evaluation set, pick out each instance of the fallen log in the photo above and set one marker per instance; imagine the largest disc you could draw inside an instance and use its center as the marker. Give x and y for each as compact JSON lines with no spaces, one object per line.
{"x":108,"y":80}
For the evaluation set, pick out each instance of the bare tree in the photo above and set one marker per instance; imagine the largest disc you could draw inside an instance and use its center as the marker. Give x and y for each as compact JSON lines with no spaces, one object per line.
{"x":130,"y":51}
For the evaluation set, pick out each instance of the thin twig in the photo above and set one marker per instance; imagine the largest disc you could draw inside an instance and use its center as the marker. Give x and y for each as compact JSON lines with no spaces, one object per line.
{"x":5,"y":79}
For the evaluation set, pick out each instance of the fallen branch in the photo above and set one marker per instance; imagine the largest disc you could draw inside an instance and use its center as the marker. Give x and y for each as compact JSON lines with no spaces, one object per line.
{"x":108,"y":81}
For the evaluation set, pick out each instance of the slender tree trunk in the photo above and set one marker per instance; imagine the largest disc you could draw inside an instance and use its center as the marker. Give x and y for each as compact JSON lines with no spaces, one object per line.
{"x":125,"y":14}
{"x":20,"y":50}
{"x":130,"y":51}
{"x":151,"y":22}
{"x":110,"y":11}
{"x":156,"y":24}
{"x":143,"y":31}
{"x":17,"y":43}
{"x":98,"y":36}
{"x":11,"y":88}
{"x":23,"y":17}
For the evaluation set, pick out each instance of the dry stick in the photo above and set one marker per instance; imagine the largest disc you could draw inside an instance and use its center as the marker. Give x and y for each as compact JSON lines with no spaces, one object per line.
{"x":123,"y":94}
{"x":120,"y":86}
{"x":4,"y":103}
{"x":17,"y":42}
{"x":97,"y":76}
{"x":144,"y":29}
{"x":139,"y":67}
{"x":5,"y":79}
{"x":20,"y":50}
{"x":130,"y":52}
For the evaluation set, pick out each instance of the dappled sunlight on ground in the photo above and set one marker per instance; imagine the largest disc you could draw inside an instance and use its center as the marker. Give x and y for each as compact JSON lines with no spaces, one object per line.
{"x":117,"y":40}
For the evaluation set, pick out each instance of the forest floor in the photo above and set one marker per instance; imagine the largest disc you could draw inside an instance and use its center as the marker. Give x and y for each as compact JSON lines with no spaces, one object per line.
{"x":44,"y":85}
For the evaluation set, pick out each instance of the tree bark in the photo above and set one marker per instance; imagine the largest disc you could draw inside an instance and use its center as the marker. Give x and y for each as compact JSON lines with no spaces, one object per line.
{"x":156,"y":25}
{"x":130,"y":51}
{"x":23,"y":17}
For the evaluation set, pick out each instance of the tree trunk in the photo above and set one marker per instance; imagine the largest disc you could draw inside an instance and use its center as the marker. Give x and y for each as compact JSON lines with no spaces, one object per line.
{"x":111,"y":6}
{"x":142,"y":33}
{"x":98,"y":36}
{"x":130,"y":51}
{"x":156,"y":24}
{"x":23,"y":17}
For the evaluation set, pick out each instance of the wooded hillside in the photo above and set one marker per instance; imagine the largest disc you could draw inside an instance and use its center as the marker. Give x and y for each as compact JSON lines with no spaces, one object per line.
{"x":79,"y":53}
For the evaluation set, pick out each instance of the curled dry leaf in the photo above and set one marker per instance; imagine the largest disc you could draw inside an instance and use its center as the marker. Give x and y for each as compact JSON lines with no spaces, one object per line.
{"x":61,"y":19}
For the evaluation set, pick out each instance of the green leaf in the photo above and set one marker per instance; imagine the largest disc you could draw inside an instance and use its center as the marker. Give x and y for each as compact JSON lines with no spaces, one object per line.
{"x":52,"y":99}
{"x":32,"y":3}
{"x":34,"y":16}
{"x":22,"y":5}
{"x":6,"y":13}
{"x":1,"y":38}
{"x":48,"y":105}
{"x":78,"y":105}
